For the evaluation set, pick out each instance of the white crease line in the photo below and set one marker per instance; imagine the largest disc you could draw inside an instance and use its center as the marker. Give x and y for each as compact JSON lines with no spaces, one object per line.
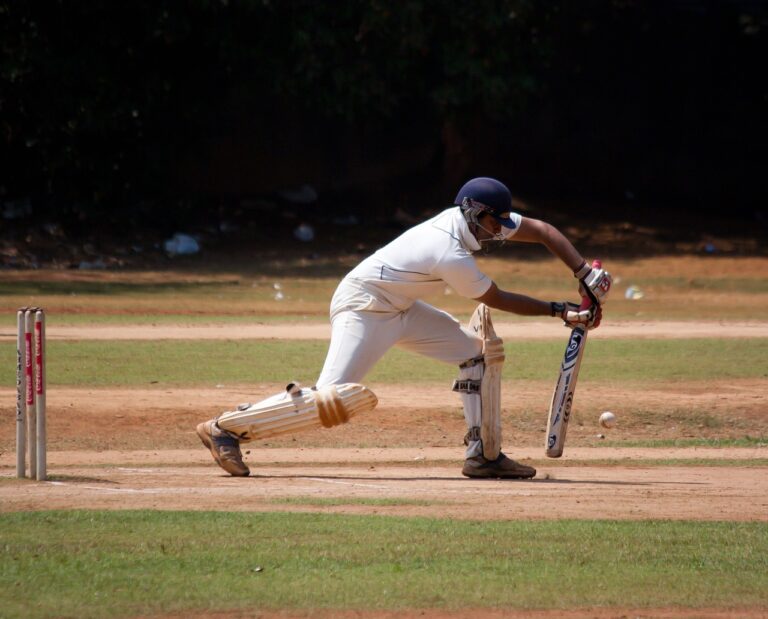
{"x":468,"y":490}
{"x":475,"y":490}
{"x":118,"y":490}
{"x":348,"y":483}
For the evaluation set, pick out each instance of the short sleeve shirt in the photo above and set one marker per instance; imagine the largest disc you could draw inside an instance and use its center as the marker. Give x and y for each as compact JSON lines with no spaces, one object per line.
{"x":421,"y":261}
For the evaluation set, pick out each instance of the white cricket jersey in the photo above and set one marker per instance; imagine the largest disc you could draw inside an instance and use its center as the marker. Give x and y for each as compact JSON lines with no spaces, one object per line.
{"x":418,"y":263}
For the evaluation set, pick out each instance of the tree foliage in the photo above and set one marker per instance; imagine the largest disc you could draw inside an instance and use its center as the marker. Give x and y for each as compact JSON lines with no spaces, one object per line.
{"x":99,"y":99}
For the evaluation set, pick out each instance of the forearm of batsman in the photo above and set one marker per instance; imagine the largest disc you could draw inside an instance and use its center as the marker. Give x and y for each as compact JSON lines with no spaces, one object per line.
{"x":515,"y":303}
{"x":537,"y":231}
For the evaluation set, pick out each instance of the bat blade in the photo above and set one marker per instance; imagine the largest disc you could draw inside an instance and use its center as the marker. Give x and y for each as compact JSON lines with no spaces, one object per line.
{"x":562,"y":398}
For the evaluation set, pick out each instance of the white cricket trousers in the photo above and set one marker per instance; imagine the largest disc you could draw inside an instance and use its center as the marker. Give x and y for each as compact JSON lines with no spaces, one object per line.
{"x":359,"y":338}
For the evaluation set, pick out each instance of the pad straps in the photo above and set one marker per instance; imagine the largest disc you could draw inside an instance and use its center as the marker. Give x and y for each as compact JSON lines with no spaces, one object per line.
{"x":470,"y":363}
{"x":467,"y":385}
{"x":472,"y":435}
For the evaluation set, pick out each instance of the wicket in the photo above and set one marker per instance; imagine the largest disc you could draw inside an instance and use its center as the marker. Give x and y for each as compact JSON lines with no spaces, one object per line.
{"x":30,"y":393}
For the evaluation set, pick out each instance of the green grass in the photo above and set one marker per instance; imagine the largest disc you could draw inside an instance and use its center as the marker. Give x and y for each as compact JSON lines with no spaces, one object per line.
{"x":34,"y":288}
{"x":255,"y":285}
{"x":108,"y":302}
{"x":97,"y":564}
{"x":245,"y":292}
{"x":745,"y":285}
{"x":207,"y":363}
{"x":736,"y":285}
{"x":176,"y":290}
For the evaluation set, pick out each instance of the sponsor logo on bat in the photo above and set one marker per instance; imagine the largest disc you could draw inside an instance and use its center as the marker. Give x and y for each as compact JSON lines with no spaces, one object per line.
{"x":573,"y":347}
{"x":568,"y":404}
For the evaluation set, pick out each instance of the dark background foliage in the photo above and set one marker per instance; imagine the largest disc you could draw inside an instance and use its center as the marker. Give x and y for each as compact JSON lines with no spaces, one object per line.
{"x":152,"y":113}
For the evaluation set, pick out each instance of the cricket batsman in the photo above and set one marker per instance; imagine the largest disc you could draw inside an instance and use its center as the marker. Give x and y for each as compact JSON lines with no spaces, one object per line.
{"x":379,"y":305}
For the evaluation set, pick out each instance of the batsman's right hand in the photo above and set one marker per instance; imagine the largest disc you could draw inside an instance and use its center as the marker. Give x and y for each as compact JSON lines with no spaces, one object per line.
{"x":587,"y":314}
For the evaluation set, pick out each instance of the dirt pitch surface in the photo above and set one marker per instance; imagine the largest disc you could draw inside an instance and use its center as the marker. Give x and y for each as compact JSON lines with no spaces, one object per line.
{"x":136,"y":448}
{"x":413,"y":482}
{"x":486,"y":613}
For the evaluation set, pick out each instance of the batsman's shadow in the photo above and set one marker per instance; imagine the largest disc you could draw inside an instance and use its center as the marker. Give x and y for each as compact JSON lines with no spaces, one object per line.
{"x":361,"y":478}
{"x":458,"y":480}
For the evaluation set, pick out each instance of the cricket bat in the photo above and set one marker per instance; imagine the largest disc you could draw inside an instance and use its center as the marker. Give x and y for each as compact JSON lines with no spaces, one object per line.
{"x":562,"y":398}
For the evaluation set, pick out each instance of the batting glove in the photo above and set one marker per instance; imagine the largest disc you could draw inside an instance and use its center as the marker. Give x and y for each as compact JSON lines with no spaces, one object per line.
{"x":594,"y":283}
{"x":574,"y":315}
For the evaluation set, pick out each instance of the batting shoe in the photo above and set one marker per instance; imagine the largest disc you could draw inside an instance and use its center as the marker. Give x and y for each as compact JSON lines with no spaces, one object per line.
{"x":502,"y":467}
{"x":224,"y":447}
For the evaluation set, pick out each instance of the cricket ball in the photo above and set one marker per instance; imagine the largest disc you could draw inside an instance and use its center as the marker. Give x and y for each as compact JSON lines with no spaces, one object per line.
{"x":607,"y":419}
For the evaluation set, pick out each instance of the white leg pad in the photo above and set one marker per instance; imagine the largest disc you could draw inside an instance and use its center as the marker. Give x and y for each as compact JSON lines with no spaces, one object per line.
{"x":297,"y":409}
{"x":490,"y":394}
{"x":490,"y":388}
{"x":473,"y":408}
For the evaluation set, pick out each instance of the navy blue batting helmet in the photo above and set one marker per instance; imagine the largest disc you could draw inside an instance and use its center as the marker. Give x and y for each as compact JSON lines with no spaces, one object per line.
{"x":487,"y":195}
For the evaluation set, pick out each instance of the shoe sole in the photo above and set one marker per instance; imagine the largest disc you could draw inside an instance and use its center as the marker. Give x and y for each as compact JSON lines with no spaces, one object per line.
{"x":491,"y":475}
{"x":206,"y":439}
